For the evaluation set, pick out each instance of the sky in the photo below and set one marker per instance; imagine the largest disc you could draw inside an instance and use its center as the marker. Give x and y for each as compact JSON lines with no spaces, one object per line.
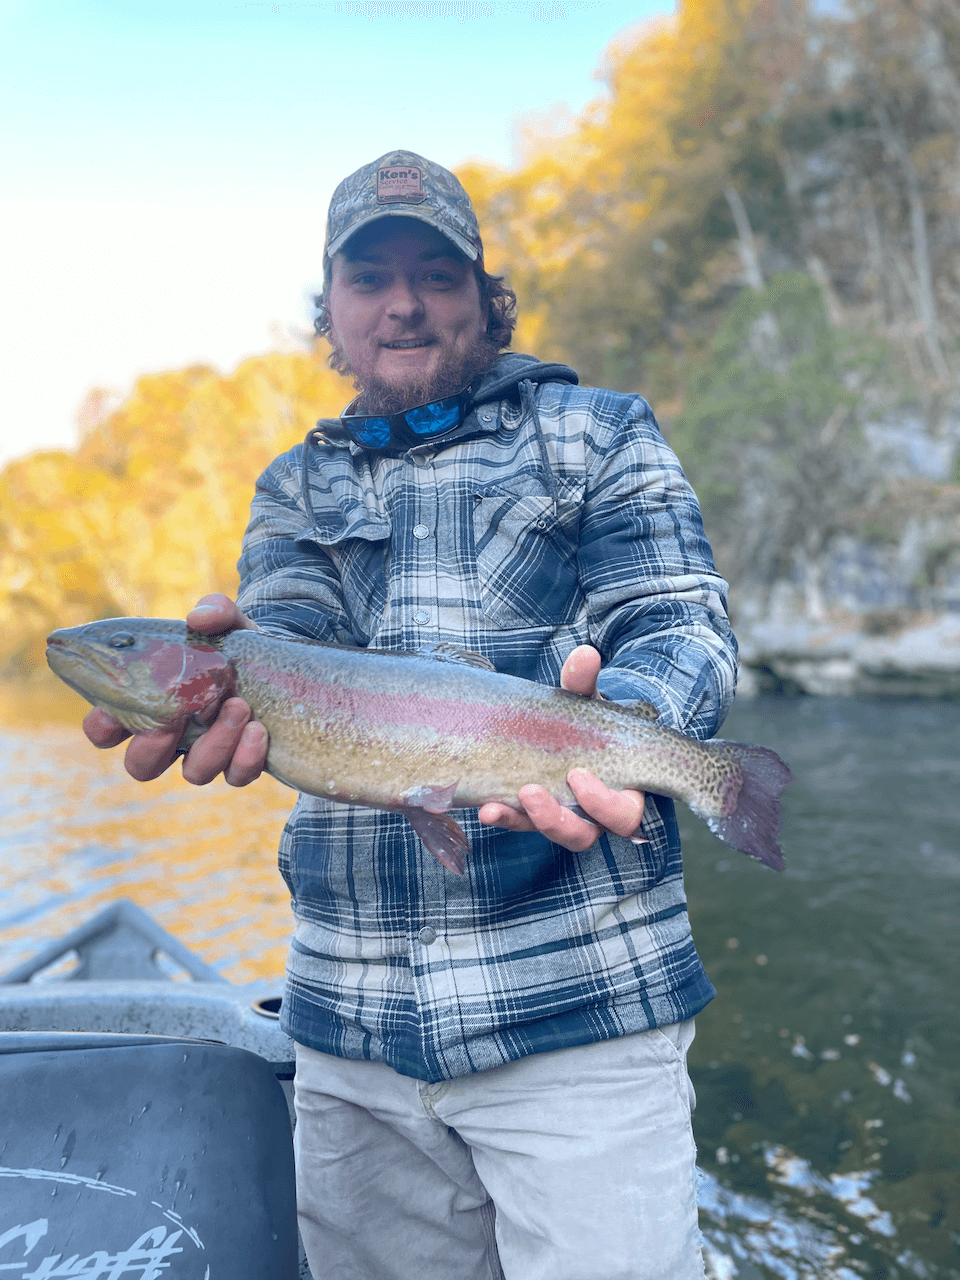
{"x":168,"y":166}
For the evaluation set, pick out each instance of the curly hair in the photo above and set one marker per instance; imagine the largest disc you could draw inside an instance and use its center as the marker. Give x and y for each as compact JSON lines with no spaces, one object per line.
{"x":496,"y":298}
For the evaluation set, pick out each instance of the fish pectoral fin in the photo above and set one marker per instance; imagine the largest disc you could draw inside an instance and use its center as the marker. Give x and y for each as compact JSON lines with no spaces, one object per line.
{"x":193,"y":731}
{"x":442,"y":836}
{"x":442,"y":652}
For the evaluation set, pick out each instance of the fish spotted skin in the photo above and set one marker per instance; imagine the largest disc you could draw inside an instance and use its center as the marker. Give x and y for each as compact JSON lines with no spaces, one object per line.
{"x":418,"y":734}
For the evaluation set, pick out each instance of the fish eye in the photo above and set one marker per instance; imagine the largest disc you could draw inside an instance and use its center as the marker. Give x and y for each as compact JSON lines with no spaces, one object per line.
{"x":122,"y":640}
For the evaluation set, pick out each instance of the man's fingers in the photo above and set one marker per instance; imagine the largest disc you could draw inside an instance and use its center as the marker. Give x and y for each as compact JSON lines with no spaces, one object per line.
{"x":542,"y":813}
{"x":102,"y":730}
{"x":216,"y":613}
{"x":211,"y":754}
{"x":250,"y":756}
{"x":618,"y":811}
{"x":501,"y":815}
{"x":580,"y":671}
{"x":150,"y":754}
{"x":556,"y":822}
{"x":233,"y":746}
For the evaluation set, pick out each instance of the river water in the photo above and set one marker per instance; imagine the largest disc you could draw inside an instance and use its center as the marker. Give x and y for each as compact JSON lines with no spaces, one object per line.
{"x":827,"y":1069}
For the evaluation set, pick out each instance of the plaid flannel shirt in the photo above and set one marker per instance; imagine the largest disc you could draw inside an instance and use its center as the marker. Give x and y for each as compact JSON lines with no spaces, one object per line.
{"x":471,"y":542}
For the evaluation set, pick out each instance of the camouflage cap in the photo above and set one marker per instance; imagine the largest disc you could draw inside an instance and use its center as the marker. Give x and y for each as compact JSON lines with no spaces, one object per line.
{"x":403,"y":184}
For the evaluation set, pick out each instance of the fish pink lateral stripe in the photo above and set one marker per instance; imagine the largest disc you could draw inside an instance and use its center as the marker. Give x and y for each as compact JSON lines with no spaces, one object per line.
{"x":469,"y":720}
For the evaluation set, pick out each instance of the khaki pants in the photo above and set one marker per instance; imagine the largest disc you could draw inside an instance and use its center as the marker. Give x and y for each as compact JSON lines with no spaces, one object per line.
{"x":571,"y":1165}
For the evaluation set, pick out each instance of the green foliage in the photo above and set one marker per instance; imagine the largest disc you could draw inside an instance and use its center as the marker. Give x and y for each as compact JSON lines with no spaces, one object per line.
{"x":772,"y":377}
{"x":768,"y":433}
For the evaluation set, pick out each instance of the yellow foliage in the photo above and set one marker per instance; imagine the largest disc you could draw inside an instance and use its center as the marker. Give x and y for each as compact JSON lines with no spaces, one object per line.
{"x":602,"y":230}
{"x":618,"y":237}
{"x":147,"y":514}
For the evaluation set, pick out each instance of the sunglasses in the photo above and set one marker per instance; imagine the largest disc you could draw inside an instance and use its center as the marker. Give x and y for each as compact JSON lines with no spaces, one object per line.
{"x":412,"y":426}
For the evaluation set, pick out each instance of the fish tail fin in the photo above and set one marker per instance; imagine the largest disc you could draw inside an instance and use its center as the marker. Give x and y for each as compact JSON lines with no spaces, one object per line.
{"x":753,"y":825}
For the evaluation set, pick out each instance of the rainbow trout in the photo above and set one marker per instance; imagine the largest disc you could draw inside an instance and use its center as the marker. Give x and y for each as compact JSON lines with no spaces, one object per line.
{"x":417,"y":734}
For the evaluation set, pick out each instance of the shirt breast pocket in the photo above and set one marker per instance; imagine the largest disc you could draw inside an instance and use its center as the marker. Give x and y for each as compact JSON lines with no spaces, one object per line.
{"x":363,"y":576}
{"x":526,"y":557}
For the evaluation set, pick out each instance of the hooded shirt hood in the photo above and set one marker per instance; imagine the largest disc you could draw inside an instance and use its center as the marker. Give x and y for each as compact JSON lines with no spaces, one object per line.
{"x":501,"y":381}
{"x":509,"y":370}
{"x":329,"y":477}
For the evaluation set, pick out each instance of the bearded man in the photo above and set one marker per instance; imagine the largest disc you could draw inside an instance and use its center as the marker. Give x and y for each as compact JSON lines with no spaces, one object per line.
{"x":491,"y":1069}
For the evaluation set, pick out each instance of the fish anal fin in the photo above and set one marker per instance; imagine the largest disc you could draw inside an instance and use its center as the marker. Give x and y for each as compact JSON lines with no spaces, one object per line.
{"x":443,"y":652}
{"x":442,"y":836}
{"x":433,"y":799}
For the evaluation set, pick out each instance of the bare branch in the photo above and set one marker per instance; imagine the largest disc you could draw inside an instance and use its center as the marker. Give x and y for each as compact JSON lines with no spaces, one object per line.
{"x":926,"y":299}
{"x":746,"y":245}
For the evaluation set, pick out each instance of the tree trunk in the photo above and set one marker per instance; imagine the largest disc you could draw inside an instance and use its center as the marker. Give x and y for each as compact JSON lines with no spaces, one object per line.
{"x":925,"y":297}
{"x":746,"y":245}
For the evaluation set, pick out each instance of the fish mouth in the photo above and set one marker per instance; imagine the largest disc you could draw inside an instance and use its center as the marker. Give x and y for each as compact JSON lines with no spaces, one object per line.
{"x":63,"y":653}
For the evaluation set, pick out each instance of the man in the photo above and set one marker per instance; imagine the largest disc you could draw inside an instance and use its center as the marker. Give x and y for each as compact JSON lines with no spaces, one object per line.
{"x":491,"y":1069}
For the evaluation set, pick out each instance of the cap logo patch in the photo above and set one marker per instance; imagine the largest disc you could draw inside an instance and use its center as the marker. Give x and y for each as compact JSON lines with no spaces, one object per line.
{"x":400,"y":184}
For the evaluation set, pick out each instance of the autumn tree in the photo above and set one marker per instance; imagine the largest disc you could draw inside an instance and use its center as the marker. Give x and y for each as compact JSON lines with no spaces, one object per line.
{"x":148,"y":512}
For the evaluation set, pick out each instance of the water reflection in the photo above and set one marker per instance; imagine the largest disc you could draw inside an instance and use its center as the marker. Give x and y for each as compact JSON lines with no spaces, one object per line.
{"x":77,"y":833}
{"x":826,"y":1069}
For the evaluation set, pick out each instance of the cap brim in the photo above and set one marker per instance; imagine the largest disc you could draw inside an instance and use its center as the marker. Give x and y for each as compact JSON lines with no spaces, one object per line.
{"x":466,"y":247}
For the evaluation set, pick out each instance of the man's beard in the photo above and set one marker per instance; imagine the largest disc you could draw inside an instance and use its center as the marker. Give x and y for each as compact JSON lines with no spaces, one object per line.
{"x":455,"y":373}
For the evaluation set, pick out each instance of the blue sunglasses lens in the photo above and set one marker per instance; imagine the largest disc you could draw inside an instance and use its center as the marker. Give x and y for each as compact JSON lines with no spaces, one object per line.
{"x":374,"y":432}
{"x":429,"y":419}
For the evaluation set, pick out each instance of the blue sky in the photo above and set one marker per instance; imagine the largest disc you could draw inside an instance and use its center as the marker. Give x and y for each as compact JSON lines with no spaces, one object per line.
{"x":169,"y":166}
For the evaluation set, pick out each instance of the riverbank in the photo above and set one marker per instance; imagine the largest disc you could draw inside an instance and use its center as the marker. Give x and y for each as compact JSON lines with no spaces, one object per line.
{"x":852,"y":655}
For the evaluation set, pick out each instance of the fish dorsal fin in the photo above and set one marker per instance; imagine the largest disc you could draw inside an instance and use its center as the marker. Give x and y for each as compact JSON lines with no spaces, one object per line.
{"x":200,"y":640}
{"x":645,"y":710}
{"x":443,"y":652}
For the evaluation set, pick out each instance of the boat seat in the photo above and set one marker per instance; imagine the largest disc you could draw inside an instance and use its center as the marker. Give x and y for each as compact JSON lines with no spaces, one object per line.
{"x":141,"y":1156}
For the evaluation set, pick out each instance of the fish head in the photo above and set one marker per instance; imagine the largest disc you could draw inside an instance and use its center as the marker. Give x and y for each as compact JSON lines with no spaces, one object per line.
{"x":148,"y":673}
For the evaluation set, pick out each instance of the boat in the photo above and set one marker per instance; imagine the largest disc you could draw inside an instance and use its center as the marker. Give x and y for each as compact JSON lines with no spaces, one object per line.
{"x":146,"y":1113}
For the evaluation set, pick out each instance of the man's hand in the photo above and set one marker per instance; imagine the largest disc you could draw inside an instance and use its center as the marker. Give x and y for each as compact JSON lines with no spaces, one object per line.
{"x":234,"y":745}
{"x":618,"y":811}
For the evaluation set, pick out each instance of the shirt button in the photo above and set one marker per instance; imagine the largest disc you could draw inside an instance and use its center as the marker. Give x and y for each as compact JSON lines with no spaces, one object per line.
{"x":427,"y":935}
{"x":421,"y":617}
{"x":421,"y":531}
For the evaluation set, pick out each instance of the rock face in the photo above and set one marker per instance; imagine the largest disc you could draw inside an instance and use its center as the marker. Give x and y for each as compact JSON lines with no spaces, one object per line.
{"x":879,"y":610}
{"x":842,"y":657}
